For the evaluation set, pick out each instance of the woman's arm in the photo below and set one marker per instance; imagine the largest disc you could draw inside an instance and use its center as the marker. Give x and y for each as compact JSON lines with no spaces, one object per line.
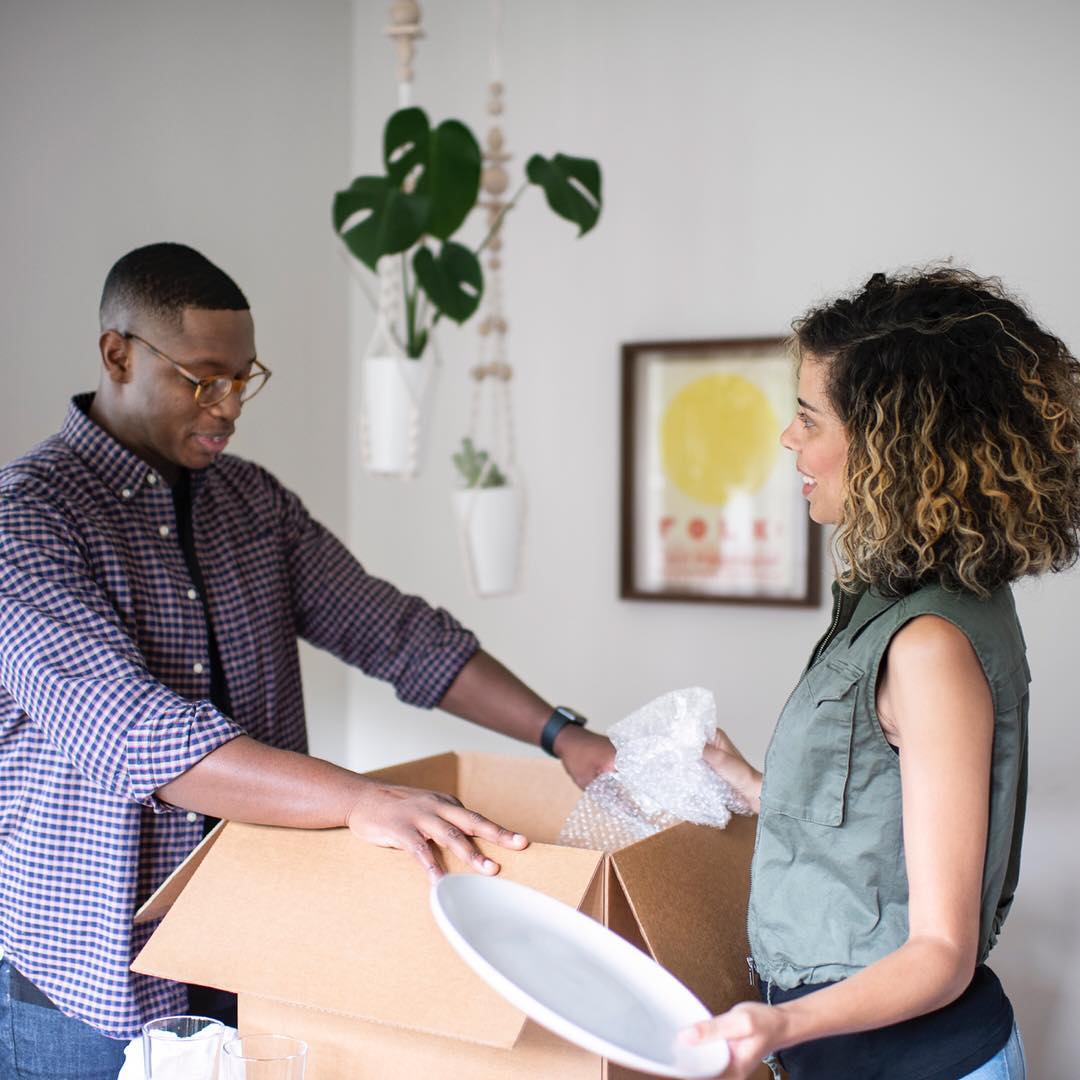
{"x":939,"y":705}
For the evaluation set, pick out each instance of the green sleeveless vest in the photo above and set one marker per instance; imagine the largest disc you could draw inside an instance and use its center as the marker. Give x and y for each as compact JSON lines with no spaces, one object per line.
{"x":828,"y":892}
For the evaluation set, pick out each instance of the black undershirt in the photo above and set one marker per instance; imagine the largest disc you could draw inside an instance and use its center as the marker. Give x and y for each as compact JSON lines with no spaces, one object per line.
{"x":203,"y":1000}
{"x":181,"y":494}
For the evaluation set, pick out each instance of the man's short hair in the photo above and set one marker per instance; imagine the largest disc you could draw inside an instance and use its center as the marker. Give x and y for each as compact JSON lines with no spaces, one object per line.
{"x":160,"y":280}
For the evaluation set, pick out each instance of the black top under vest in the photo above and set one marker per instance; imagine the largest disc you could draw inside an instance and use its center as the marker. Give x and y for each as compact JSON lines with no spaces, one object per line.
{"x":946,"y":1044}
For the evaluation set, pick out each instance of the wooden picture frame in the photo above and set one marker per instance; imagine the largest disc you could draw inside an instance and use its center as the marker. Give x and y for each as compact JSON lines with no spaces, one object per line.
{"x":712,"y":508}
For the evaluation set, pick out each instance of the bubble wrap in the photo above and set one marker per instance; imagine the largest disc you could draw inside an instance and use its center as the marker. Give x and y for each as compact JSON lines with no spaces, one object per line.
{"x":660,"y":777}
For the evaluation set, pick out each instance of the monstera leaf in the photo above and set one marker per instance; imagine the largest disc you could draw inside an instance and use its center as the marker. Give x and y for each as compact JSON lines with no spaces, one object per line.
{"x":405,"y":144}
{"x":452,"y":280}
{"x":572,"y":187}
{"x":391,"y":220}
{"x":451,"y":179}
{"x":432,"y":182}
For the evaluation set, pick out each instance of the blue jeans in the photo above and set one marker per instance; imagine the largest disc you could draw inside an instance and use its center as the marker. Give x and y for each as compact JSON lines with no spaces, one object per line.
{"x":1007,"y":1064}
{"x":40,"y":1043}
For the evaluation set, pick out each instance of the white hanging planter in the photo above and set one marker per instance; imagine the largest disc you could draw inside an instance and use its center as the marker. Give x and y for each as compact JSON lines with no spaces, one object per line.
{"x":491,"y":523}
{"x":395,"y":405}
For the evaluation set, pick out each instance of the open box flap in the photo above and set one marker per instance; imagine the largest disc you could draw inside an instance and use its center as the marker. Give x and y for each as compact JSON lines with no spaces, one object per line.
{"x":688,"y":887}
{"x":173,"y":885}
{"x":320,"y":919}
{"x":532,"y":795}
{"x":436,"y":773}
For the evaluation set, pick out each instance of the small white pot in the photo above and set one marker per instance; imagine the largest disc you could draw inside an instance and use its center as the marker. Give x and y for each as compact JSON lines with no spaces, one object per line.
{"x":396,"y":394}
{"x":491,"y":522}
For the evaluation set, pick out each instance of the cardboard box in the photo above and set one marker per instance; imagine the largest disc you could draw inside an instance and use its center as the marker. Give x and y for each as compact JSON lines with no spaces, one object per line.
{"x":332,"y":941}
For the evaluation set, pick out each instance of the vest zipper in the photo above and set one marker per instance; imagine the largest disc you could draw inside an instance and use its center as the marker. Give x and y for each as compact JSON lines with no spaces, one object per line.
{"x":826,"y":641}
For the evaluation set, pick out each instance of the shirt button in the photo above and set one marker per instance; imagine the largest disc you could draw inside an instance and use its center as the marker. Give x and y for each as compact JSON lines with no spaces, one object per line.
{"x":125,"y":493}
{"x":192,"y":816}
{"x":197,"y":668}
{"x":151,"y":478}
{"x":163,"y":530}
{"x":192,"y":594}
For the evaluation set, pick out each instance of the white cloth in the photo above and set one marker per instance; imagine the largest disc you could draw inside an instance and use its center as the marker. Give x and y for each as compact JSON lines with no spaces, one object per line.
{"x":172,"y":1065}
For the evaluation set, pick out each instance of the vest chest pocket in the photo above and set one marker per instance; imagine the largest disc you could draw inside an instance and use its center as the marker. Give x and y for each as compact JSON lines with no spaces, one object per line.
{"x":807,"y":764}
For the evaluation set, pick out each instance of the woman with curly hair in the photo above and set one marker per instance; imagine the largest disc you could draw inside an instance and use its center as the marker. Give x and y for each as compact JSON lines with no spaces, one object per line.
{"x":938,"y":427}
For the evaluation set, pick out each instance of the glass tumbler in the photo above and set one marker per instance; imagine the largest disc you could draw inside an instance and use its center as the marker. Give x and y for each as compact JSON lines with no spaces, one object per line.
{"x":187,"y":1046}
{"x":264,"y":1057}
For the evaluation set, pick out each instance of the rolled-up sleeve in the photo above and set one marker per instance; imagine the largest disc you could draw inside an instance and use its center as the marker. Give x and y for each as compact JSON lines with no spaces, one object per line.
{"x":68,"y":662}
{"x":365,"y":620}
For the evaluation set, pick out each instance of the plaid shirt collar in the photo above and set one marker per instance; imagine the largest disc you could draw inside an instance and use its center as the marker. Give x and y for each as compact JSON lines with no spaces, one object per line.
{"x":121,"y":470}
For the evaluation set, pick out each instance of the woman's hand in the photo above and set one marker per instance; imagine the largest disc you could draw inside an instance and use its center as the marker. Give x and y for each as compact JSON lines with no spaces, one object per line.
{"x":752,"y":1032}
{"x":724,"y":759}
{"x":412,"y":819}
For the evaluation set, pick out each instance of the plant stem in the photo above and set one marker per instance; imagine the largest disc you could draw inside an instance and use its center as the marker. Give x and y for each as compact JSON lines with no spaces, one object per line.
{"x":497,"y":223}
{"x":410,"y":309}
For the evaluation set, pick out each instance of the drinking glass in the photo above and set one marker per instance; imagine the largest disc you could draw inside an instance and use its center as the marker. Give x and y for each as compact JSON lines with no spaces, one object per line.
{"x":264,"y":1057}
{"x":182,"y":1046}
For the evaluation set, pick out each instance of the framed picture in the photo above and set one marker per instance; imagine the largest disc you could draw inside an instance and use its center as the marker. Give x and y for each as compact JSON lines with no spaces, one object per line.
{"x":712,"y":508}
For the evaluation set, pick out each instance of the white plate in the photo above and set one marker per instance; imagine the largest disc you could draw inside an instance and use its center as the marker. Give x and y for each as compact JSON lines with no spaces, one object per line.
{"x":574,"y":976}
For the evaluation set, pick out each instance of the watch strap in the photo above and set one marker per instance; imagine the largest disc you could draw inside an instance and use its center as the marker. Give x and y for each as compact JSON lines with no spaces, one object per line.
{"x":556,"y":722}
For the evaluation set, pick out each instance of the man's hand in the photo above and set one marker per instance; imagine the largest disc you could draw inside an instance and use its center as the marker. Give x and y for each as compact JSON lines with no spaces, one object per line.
{"x":584,"y":754}
{"x":412,"y":820}
{"x":752,"y":1031}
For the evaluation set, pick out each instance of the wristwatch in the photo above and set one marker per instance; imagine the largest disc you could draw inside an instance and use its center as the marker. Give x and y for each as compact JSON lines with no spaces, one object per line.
{"x":556,"y":722}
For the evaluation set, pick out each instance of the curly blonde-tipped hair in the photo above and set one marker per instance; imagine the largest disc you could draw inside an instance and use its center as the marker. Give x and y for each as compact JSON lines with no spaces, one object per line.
{"x":963,"y":419}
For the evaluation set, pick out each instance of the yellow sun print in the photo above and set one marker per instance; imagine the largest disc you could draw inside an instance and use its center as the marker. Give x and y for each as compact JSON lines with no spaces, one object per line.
{"x":719,"y":434}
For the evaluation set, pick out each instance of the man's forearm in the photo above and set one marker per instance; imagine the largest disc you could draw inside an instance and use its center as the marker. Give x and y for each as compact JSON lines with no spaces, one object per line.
{"x":488,"y":694}
{"x":492,"y":696}
{"x":245,"y":780}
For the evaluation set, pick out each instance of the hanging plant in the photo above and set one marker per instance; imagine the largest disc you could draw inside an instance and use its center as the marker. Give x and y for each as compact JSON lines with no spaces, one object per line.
{"x":473,"y":465}
{"x":431,"y":183}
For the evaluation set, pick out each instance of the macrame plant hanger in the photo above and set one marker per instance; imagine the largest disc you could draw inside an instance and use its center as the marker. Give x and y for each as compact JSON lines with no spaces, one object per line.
{"x":396,"y":389}
{"x":491,"y":511}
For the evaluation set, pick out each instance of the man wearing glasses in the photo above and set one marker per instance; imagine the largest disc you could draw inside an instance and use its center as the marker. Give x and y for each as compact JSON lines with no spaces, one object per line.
{"x":152,"y":591}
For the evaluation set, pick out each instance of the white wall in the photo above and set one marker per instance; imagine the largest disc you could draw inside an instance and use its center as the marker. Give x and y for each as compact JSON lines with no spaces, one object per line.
{"x":757,"y":157}
{"x":220,"y":125}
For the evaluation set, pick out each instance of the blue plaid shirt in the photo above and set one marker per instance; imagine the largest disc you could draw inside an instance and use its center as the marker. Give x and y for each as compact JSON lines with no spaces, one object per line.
{"x":104,"y":686}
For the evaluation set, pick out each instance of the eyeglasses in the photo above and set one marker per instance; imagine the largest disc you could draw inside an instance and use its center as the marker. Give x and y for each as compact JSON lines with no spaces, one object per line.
{"x":215,"y":390}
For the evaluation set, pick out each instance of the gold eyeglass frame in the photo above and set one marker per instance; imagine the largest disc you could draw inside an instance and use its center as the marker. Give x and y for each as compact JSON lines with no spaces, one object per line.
{"x":236,"y":386}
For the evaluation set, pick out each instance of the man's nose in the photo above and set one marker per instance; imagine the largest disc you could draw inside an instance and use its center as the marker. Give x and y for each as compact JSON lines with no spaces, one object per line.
{"x":229,"y":407}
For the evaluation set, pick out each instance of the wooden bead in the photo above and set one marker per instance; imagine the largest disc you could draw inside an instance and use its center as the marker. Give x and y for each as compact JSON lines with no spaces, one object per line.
{"x":404,"y":12}
{"x":495,"y":180}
